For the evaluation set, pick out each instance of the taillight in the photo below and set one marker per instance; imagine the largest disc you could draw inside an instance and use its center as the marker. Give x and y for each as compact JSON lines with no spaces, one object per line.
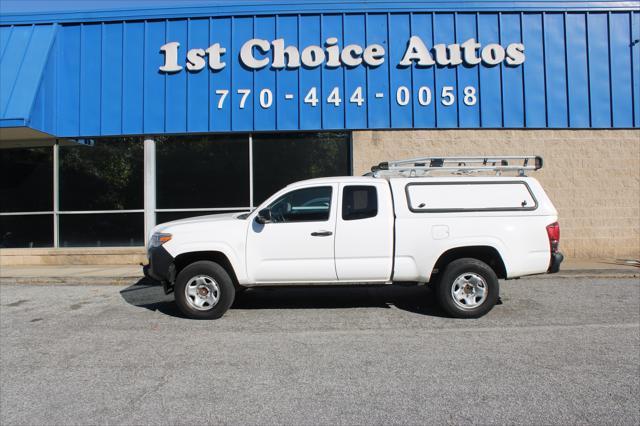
{"x":553,"y":231}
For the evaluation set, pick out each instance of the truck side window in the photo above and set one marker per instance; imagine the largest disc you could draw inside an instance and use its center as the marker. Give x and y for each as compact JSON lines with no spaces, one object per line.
{"x":303,"y":205}
{"x":359,"y":202}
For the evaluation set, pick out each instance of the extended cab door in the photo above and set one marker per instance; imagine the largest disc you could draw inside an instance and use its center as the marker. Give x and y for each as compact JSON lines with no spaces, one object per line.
{"x":364,"y":233}
{"x":297,"y":245}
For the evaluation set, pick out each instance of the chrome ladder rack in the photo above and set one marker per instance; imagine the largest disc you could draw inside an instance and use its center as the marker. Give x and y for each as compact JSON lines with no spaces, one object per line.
{"x":422,"y":166}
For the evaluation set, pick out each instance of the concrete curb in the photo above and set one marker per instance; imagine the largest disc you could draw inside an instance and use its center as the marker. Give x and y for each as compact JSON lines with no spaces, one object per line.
{"x":592,"y":273}
{"x":129,"y":280}
{"x":71,"y":281}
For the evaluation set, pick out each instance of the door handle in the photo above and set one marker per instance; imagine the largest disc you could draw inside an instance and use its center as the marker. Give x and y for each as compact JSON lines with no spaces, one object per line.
{"x":321,"y":234}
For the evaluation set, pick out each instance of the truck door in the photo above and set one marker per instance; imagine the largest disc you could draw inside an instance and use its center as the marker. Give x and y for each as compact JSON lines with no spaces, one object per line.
{"x":297,"y":245}
{"x":364,"y":233}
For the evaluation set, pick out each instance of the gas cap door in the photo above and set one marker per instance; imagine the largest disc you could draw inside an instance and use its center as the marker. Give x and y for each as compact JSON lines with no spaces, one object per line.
{"x":439,"y":232}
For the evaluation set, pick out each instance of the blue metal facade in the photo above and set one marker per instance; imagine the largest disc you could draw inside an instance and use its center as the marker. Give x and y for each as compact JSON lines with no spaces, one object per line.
{"x":581,"y":70}
{"x":24,"y":51}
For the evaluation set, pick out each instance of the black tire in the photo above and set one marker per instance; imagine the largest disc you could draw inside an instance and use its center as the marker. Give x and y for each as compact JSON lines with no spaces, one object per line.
{"x":473,"y":268}
{"x":220,"y":278}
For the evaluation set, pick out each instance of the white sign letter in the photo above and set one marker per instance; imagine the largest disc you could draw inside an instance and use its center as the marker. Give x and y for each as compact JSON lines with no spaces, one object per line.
{"x":333,"y":50}
{"x":246,"y":53}
{"x":279,"y":52}
{"x":195,"y":59}
{"x":312,"y":56}
{"x":448,"y":55}
{"x":170,"y":51}
{"x":416,"y":50}
{"x":493,"y":54}
{"x":351,"y":55}
{"x":515,"y":54}
{"x":215,"y":51}
{"x":373,"y":55}
{"x":469,"y":49}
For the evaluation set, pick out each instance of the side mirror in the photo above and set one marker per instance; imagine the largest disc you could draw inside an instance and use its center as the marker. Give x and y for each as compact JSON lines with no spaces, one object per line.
{"x":264,"y":216}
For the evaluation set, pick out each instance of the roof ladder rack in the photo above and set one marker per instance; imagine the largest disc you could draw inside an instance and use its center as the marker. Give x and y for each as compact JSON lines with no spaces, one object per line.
{"x":423,"y":166}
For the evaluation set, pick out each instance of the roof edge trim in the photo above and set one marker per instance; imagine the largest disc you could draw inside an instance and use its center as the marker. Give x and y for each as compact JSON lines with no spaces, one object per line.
{"x":268,"y":8}
{"x":12,"y":122}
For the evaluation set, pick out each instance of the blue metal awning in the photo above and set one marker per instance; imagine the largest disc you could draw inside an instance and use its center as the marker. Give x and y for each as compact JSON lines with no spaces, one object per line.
{"x":147,"y":71}
{"x":24,"y":52}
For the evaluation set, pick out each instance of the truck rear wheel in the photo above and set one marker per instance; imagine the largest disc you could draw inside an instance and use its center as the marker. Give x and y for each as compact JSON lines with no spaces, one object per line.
{"x":204,"y":290}
{"x":468,"y":288}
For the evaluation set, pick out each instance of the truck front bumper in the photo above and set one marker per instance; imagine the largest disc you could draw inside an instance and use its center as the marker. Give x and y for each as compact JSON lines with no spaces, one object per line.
{"x":556,"y":260}
{"x":161,"y":267}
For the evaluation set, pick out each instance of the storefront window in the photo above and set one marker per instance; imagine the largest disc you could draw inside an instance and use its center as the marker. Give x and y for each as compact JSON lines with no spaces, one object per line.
{"x":101,"y":230}
{"x":280,"y":159}
{"x":26,"y":231}
{"x":202,"y":171}
{"x":103,"y":174}
{"x":101,"y":182}
{"x":26,"y":179}
{"x":26,"y":185}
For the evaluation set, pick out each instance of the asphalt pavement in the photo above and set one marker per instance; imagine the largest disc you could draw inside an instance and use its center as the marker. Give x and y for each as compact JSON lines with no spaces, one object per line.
{"x":556,"y":351}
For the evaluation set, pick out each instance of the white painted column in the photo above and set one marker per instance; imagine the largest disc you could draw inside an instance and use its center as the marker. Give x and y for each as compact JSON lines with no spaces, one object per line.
{"x":56,"y":195}
{"x":251,"y":171}
{"x":149,"y":187}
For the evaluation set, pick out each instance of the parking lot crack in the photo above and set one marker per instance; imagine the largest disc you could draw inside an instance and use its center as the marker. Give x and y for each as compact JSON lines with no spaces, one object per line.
{"x":161,"y":382}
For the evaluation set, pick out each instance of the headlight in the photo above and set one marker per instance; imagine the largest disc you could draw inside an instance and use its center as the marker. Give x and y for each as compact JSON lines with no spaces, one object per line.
{"x":159,"y":239}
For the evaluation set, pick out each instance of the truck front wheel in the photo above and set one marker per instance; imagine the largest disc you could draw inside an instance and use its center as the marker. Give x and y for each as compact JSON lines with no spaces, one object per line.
{"x":204,"y":290}
{"x":468,"y":288}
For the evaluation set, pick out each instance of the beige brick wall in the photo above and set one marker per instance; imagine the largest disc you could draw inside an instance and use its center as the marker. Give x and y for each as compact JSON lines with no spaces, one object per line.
{"x":72,"y":256}
{"x":592,"y":176}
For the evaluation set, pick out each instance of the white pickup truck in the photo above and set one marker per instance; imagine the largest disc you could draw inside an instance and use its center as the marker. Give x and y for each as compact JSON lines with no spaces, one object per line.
{"x":441,"y":221}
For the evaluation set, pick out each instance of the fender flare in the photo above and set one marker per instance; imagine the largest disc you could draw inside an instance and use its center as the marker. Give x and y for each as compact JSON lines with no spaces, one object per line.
{"x":224,"y":249}
{"x":473,"y":245}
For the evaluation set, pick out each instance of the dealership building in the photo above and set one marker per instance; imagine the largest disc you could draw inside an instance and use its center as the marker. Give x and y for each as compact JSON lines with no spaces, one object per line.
{"x":115,"y":117}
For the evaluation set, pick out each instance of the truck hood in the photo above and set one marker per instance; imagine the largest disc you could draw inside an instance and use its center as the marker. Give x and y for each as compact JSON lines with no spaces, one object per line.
{"x":225,"y":233}
{"x":198,"y":220}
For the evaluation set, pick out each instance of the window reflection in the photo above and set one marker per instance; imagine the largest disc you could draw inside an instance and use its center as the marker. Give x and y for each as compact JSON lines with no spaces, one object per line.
{"x":280,"y":159}
{"x":26,"y":179}
{"x":102,"y":230}
{"x":202,"y":171}
{"x":102,"y":174}
{"x":26,"y":231}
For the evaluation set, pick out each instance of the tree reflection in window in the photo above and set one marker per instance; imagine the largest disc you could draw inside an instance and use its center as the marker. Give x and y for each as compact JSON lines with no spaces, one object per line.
{"x":281,"y":159}
{"x":102,"y":174}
